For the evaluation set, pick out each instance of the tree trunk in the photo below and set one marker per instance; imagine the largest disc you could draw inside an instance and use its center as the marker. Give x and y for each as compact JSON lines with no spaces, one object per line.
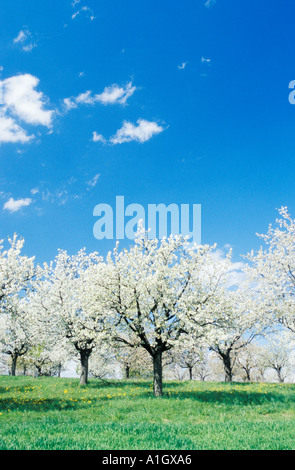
{"x":84,"y":357}
{"x":158,"y":374}
{"x":248,"y":376}
{"x":59,"y":370}
{"x":227,"y":368}
{"x":190,"y":373}
{"x":280,"y":377}
{"x":13,"y":363}
{"x":127,"y":371}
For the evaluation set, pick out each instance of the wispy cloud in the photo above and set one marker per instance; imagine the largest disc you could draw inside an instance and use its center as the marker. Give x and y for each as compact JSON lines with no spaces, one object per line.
{"x":182,"y":65}
{"x":69,"y":104}
{"x":140,"y":132}
{"x":86,"y":11}
{"x":204,"y":60}
{"x":70,"y":190}
{"x":93,"y":182}
{"x":34,"y":191}
{"x":98,"y":137}
{"x":236,"y":272}
{"x":116,"y":94}
{"x":59,"y":196}
{"x":44,"y":194}
{"x":113,"y":94}
{"x":24,"y":39}
{"x":14,"y":205}
{"x":20,"y":37}
{"x":210,"y":3}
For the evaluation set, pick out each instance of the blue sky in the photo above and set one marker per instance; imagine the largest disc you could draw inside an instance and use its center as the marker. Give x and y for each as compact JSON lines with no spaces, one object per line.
{"x":161,"y":102}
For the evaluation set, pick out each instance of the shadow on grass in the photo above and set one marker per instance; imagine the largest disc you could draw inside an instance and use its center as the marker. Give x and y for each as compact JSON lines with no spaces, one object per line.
{"x":230,"y":397}
{"x":226,"y":394}
{"x":46,"y":405}
{"x":9,"y":390}
{"x":119,"y":383}
{"x":55,"y":404}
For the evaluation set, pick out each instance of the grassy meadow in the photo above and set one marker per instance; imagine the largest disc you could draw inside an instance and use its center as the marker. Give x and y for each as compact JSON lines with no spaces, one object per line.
{"x":59,"y":414}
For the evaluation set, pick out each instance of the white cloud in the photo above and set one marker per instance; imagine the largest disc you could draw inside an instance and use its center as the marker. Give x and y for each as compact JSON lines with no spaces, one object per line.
{"x":24,"y":39}
{"x":94,"y":180}
{"x":143,"y":131}
{"x":59,"y":196}
{"x":236,"y":276}
{"x":11,"y":132}
{"x":14,"y":205}
{"x":21,"y":37}
{"x":182,"y":65}
{"x":34,"y":191}
{"x":113,"y":94}
{"x":29,"y":47}
{"x":69,"y":104}
{"x":98,"y":137}
{"x":85,"y":98}
{"x":210,"y":3}
{"x":203,"y":59}
{"x":88,"y":12}
{"x":236,"y":272}
{"x":21,"y":99}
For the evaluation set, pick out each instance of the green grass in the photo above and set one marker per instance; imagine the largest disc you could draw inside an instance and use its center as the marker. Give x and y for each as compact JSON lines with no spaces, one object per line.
{"x":52,"y":413}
